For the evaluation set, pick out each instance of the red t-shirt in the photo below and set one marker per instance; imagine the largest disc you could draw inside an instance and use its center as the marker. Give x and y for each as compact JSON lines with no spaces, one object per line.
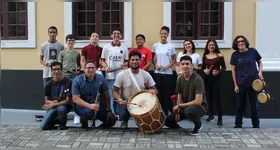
{"x":92,"y":53}
{"x":146,"y":55}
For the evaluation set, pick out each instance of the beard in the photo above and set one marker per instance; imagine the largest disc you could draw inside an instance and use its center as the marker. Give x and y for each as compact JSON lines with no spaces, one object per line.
{"x":134,"y":68}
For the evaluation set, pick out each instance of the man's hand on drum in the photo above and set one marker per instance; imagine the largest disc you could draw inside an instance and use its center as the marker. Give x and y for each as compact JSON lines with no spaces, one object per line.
{"x":122,"y":102}
{"x":94,"y":107}
{"x":153,"y":91}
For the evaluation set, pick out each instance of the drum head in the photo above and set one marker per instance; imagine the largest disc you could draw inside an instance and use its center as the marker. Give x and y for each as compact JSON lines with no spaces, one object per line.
{"x":263,"y":97}
{"x":145,"y":102}
{"x":258,"y":85}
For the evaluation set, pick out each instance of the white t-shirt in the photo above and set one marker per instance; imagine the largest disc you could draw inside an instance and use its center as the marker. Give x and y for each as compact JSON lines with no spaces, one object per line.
{"x":50,"y":52}
{"x":127,"y":86}
{"x":114,"y":57}
{"x":164,"y":54}
{"x":196,"y":58}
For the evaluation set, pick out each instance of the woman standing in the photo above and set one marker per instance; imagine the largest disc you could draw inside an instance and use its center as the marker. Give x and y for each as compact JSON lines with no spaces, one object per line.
{"x":213,"y":66}
{"x":244,"y":72}
{"x":164,"y":58}
{"x":189,"y":49}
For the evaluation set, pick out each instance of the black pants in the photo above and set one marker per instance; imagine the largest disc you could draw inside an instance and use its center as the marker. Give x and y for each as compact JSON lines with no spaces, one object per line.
{"x":213,"y":93}
{"x":241,"y":105}
{"x":163,"y":84}
{"x":192,"y":113}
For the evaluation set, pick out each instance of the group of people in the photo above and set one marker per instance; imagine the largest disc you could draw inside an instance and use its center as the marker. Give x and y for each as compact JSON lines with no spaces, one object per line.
{"x":98,"y":83}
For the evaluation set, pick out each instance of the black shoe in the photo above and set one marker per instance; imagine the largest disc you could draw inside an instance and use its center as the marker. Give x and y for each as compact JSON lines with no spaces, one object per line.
{"x":220,"y":122}
{"x":257,"y":126}
{"x":62,"y":127}
{"x":196,"y":130}
{"x":238,"y":126}
{"x":210,"y":118}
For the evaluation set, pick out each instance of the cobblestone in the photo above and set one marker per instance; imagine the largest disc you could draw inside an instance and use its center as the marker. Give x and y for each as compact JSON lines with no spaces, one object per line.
{"x":19,"y":136}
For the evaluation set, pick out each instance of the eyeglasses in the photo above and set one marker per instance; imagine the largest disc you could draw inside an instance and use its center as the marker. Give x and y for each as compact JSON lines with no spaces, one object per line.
{"x":241,"y":41}
{"x":90,"y":68}
{"x":56,"y":69}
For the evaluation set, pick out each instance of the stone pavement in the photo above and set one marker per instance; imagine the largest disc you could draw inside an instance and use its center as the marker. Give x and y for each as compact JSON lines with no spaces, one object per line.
{"x":30,"y":136}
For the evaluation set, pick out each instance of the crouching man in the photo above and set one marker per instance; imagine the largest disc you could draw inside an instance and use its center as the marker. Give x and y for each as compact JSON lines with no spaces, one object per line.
{"x":58,"y":96}
{"x":87,"y":105}
{"x":191,"y":100}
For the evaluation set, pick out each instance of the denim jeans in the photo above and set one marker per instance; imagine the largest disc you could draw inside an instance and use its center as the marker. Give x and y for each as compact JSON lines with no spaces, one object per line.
{"x":114,"y":105}
{"x":241,"y":105}
{"x":57,"y":115}
{"x":163,"y":84}
{"x":192,"y":113}
{"x":88,"y":114}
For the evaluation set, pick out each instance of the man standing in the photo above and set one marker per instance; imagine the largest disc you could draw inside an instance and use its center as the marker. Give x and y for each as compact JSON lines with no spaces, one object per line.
{"x":114,"y":57}
{"x":191,"y":98}
{"x":125,"y":82}
{"x":85,"y":90}
{"x":92,"y":51}
{"x":58,"y":96}
{"x":70,"y":58}
{"x":49,"y":52}
{"x":146,"y":53}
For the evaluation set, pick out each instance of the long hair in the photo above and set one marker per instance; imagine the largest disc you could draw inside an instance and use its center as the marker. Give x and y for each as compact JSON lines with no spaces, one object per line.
{"x":206,"y":50}
{"x":193,"y":46}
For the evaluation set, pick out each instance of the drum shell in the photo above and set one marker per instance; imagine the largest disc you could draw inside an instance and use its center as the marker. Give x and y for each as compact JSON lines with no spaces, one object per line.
{"x":258,"y":85}
{"x":152,"y":121}
{"x":263,"y":97}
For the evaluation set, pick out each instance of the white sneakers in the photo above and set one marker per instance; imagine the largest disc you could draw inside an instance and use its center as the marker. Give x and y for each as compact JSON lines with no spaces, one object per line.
{"x":77,"y":119}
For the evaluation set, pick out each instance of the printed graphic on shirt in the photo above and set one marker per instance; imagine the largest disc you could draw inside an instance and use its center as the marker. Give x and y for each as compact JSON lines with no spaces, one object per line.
{"x":53,"y":53}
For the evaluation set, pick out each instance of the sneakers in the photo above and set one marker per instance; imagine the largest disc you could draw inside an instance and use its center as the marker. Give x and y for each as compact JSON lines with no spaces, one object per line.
{"x":210,"y":118}
{"x":124,"y":124}
{"x":77,"y":119}
{"x":196,"y":130}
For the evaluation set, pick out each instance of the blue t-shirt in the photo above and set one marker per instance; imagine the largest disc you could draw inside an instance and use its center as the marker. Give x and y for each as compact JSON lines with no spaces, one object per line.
{"x":88,"y":89}
{"x":246,"y":66}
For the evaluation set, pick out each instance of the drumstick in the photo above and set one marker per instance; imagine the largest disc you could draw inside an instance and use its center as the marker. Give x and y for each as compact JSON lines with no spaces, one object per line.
{"x":128,"y":103}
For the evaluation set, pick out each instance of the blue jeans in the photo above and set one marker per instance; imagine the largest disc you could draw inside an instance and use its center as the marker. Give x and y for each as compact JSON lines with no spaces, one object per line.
{"x":55,"y":116}
{"x":114,"y":105}
{"x":123,"y":112}
{"x":87,"y":114}
{"x":241,"y":105}
{"x":45,"y":80}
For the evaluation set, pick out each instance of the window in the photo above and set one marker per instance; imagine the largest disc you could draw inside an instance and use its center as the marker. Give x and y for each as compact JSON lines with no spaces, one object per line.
{"x":14,"y":25}
{"x":100,"y":17}
{"x":225,"y":36}
{"x":197,"y":20}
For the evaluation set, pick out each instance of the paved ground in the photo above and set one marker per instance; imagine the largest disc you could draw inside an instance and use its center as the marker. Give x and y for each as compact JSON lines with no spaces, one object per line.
{"x":20,"y":130}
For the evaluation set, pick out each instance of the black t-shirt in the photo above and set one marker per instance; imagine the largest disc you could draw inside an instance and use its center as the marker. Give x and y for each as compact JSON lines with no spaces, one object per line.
{"x":58,"y":90}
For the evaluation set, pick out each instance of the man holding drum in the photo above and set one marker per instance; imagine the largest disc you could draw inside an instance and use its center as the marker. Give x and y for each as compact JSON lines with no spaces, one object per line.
{"x":131,"y":81}
{"x":191,"y":98}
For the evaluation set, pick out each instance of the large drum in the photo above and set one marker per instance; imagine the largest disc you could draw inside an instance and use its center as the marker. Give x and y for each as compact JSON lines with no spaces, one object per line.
{"x":258,"y":85}
{"x":145,"y":108}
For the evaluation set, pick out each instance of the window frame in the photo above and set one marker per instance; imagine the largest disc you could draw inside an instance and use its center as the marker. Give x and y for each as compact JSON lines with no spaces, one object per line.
{"x":30,"y":42}
{"x":226,"y":42}
{"x":127,"y":25}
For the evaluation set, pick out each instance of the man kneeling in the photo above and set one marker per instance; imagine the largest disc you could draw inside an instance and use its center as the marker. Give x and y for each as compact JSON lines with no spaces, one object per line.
{"x":191,"y":100}
{"x":128,"y":86}
{"x":85,"y":89}
{"x":58,"y":97}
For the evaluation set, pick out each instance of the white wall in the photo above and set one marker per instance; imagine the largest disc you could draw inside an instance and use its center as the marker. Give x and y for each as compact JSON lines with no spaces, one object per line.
{"x":268,"y":33}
